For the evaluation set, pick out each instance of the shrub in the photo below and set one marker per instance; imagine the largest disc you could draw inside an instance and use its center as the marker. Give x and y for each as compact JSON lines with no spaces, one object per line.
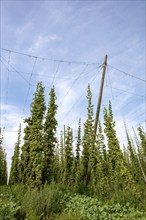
{"x":92,"y":209}
{"x":8,"y":208}
{"x":43,"y":203}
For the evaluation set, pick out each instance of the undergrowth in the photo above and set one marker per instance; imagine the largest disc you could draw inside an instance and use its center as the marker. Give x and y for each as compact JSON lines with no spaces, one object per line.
{"x":54,"y":202}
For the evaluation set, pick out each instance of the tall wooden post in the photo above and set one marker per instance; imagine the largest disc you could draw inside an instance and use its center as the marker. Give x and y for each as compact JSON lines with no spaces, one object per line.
{"x":97,"y":113}
{"x":100,"y":95}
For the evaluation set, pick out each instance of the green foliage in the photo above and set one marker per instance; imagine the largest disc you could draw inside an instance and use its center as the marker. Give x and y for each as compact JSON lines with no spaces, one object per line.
{"x":40,"y":204}
{"x":88,"y":141}
{"x":61,"y":156}
{"x":120,"y":177}
{"x":8,"y":208}
{"x":3,"y":162}
{"x":25,"y":170}
{"x":133,"y":165}
{"x":142,"y":152}
{"x":95,"y":167}
{"x":36,"y":142}
{"x":49,"y":139}
{"x":53,"y":202}
{"x":15,"y":167}
{"x":142,"y":136}
{"x":93,"y":209}
{"x":68,"y":156}
{"x":65,"y":216}
{"x":78,"y":145}
{"x":136,"y":199}
{"x":77,"y":157}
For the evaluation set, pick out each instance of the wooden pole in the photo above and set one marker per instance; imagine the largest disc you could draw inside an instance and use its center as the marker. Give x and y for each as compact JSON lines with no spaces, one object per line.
{"x":100,"y":95}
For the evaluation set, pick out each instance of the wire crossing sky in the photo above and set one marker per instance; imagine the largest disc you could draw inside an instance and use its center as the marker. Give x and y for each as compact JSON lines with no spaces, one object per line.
{"x":63,"y":43}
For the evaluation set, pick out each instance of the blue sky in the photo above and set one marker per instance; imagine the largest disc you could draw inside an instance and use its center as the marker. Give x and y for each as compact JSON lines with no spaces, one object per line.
{"x":72,"y":31}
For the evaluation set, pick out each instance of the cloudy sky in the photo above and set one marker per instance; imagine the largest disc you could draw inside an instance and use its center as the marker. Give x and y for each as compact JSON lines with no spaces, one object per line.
{"x":63,"y":43}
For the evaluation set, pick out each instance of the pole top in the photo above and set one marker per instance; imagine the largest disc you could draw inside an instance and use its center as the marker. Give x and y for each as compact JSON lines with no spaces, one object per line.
{"x":105,"y":60}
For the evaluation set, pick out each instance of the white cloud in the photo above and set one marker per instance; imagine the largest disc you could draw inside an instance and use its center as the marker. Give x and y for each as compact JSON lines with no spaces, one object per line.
{"x":43,"y":40}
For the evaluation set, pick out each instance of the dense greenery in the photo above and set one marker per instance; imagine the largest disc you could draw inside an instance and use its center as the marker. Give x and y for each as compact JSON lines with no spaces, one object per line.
{"x":55,"y":202}
{"x":109,"y":183}
{"x":3,"y":163}
{"x":15,"y":167}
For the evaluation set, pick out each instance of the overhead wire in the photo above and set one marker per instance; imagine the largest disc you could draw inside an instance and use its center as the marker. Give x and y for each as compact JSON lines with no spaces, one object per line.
{"x":137,"y":116}
{"x":73,"y":85}
{"x":128,"y":74}
{"x":133,"y":113}
{"x":123,"y":91}
{"x":49,"y":59}
{"x":108,"y":76}
{"x":109,"y":85}
{"x":74,"y":80}
{"x":121,"y":108}
{"x":42,"y":75}
{"x":28,"y":91}
{"x":92,"y":80}
{"x":7,"y":88}
{"x":125,"y":106}
{"x":54,"y":75}
{"x":10,"y":65}
{"x":82,"y":73}
{"x":131,"y":121}
{"x":6,"y":100}
{"x":112,"y":92}
{"x":123,"y":76}
{"x":126,"y":91}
